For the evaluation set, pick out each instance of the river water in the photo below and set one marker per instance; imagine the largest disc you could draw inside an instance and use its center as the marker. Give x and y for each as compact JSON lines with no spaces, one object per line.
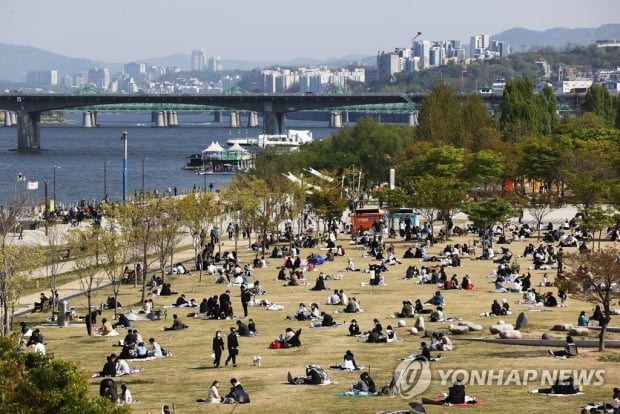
{"x":89,"y":159}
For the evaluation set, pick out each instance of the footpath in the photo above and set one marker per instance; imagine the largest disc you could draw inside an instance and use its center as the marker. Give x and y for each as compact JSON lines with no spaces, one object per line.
{"x":71,"y":290}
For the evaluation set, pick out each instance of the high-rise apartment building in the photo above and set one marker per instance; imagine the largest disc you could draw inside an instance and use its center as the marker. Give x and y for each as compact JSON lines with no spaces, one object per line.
{"x":42,"y":77}
{"x":215,"y":64}
{"x":199,"y":60}
{"x":478,"y":45}
{"x":387,"y":65}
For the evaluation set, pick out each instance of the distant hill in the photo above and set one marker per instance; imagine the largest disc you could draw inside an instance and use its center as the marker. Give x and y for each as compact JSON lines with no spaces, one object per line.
{"x":524,"y":39}
{"x":16,"y":60}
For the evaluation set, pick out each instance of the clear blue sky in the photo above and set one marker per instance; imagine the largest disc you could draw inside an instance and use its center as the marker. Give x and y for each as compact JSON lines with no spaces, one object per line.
{"x":128,"y":30}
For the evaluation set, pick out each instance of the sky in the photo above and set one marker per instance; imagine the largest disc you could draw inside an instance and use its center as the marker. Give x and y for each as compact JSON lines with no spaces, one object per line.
{"x":120,"y":31}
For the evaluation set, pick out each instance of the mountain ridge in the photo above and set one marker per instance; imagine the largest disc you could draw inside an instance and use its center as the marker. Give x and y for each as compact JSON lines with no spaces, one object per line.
{"x":16,"y":60}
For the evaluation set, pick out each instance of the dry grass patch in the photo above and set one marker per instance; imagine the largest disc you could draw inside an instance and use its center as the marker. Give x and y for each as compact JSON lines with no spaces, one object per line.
{"x":186,"y":376}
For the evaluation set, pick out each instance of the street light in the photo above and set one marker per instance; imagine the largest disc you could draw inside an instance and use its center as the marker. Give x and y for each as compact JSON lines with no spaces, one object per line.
{"x":124,"y":139}
{"x":143,"y":159}
{"x":105,"y":180}
{"x":54,"y":185}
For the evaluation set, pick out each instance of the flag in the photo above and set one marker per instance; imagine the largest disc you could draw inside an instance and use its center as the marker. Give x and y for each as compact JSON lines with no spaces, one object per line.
{"x":32,"y":185}
{"x":21,"y":177}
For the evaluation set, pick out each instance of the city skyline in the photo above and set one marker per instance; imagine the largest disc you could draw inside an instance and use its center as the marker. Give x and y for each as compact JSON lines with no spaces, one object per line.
{"x":272,"y":29}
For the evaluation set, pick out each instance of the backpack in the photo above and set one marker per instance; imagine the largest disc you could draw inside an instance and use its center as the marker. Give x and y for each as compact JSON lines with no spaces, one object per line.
{"x":275,"y":345}
{"x":317,"y":374}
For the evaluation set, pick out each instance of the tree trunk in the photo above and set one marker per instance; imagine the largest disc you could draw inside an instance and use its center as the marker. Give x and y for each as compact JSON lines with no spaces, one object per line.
{"x":601,"y":338}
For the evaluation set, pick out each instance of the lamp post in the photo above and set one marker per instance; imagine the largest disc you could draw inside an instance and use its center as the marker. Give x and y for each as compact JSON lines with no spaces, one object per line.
{"x":105,"y":180}
{"x":124,"y":139}
{"x":143,"y":159}
{"x":54,"y":185}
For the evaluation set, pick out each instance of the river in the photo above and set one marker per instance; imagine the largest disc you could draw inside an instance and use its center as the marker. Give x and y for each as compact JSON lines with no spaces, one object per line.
{"x":89,"y":159}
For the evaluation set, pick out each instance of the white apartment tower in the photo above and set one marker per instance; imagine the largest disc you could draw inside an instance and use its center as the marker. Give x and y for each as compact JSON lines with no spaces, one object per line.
{"x":422,"y":49}
{"x":199,"y":60}
{"x":478,"y":45}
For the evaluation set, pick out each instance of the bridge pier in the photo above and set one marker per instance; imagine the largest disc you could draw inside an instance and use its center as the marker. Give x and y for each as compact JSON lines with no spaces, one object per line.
{"x":413,"y":119}
{"x":161,"y":120}
{"x":9,"y":119}
{"x":335,"y":120}
{"x":252,"y":119}
{"x":89,"y":119}
{"x":218,"y":117}
{"x":273,"y":122}
{"x":28,"y":131}
{"x":234,"y":120}
{"x":173,"y":120}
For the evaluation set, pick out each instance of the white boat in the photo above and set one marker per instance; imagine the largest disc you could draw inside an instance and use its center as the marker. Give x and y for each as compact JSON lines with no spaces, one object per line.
{"x":293,"y":139}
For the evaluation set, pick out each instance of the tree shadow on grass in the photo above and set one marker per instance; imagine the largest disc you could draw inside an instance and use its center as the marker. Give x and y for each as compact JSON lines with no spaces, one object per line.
{"x":520,"y":354}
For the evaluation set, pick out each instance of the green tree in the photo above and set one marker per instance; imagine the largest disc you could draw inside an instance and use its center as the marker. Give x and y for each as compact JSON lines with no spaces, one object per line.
{"x":595,"y":220}
{"x":166,"y":234}
{"x":479,"y":130}
{"x":438,"y":161}
{"x":328,"y":203}
{"x":430,"y":195}
{"x":484,"y":214}
{"x":31,"y":383}
{"x":601,"y":103}
{"x":585,"y":189}
{"x":486,"y":169}
{"x":440,"y":119}
{"x":87,"y":264}
{"x":525,"y":114}
{"x":197,"y":211}
{"x":136,"y":222}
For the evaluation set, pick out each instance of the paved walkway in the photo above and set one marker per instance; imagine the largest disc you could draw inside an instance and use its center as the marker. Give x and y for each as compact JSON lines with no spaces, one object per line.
{"x":73,"y":289}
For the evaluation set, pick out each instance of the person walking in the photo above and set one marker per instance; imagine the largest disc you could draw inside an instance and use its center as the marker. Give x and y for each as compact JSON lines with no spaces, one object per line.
{"x":218,"y":348}
{"x":233,"y":347}
{"x":246,"y":297}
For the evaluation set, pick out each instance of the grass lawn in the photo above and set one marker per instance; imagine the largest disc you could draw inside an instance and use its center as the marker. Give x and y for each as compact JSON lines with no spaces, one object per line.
{"x":187,"y":375}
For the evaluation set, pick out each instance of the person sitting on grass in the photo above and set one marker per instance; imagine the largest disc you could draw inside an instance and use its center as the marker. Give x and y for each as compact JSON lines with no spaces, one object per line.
{"x":328,"y":320}
{"x":352,"y":306}
{"x":108,"y":390}
{"x":106,"y":327}
{"x":365,"y":385}
{"x":156,"y":350}
{"x":354,"y":328}
{"x":237,"y":394}
{"x":348,"y":362}
{"x":456,"y":393}
{"x":213,"y":396}
{"x":436,"y":300}
{"x":570,"y":350}
{"x":320,"y":283}
{"x":583,"y":319}
{"x":177,"y":325}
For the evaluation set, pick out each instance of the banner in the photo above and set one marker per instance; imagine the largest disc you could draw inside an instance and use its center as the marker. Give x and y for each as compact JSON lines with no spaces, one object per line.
{"x":32,"y":185}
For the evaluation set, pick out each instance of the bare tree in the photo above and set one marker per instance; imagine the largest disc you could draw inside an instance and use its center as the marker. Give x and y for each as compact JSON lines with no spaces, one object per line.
{"x":539,"y":205}
{"x":594,"y":278}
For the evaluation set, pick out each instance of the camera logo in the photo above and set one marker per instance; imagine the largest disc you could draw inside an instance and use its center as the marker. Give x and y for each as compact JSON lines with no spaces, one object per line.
{"x":412,"y":378}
